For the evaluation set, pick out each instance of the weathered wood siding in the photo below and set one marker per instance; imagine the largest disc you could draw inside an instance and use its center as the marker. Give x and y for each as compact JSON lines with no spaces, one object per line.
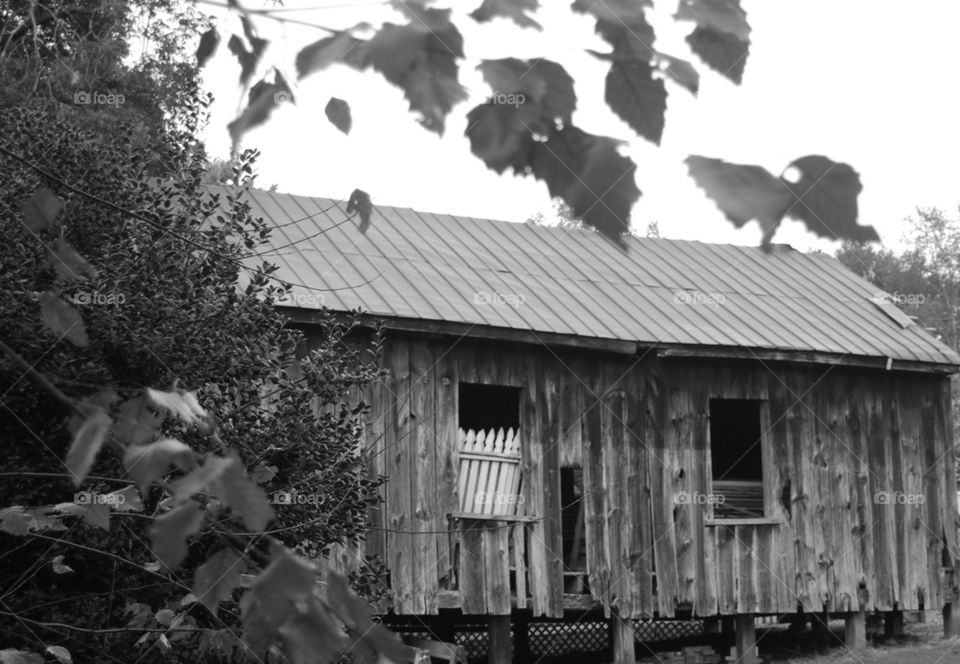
{"x":639,"y":428}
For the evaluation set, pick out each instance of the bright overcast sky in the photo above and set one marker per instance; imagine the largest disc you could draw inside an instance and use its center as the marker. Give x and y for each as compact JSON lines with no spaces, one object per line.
{"x":867,"y":82}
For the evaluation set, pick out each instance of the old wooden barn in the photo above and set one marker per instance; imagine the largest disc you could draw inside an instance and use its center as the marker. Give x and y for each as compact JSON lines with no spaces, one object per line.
{"x":679,"y":429}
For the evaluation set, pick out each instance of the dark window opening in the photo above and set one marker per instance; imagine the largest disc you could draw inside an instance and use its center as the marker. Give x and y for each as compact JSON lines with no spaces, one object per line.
{"x":485,"y":407}
{"x":572,"y":519}
{"x":737,"y":458}
{"x":490,"y":450}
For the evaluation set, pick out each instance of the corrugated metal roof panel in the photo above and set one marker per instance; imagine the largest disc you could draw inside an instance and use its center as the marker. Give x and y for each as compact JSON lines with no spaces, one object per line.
{"x":458,"y":269}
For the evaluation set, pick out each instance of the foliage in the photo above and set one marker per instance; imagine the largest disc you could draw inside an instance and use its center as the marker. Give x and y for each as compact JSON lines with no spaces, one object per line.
{"x":527,"y":124}
{"x":184,"y":376}
{"x":72,"y":57}
{"x":923,"y":279}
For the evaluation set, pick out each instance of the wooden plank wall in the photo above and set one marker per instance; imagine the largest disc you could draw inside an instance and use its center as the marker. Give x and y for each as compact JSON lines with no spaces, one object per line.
{"x":639,"y":428}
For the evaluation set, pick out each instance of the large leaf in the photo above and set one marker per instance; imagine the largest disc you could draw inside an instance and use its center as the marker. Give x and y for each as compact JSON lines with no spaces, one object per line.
{"x":137,"y":422}
{"x":248,"y":59}
{"x":62,"y":319}
{"x":720,"y":51}
{"x":86,"y":443}
{"x":146,"y":463}
{"x":721,"y":15}
{"x":181,"y":404}
{"x":637,"y":97}
{"x":215,"y":580}
{"x":341,"y":47}
{"x":69,"y":265}
{"x":242,"y":495}
{"x":263,"y":98}
{"x":540,"y":82}
{"x":679,"y":71}
{"x":502,"y":135}
{"x":16,"y":520}
{"x":41,"y":209}
{"x":626,"y":12}
{"x":310,"y":635}
{"x":125,"y":500}
{"x":272,"y":598}
{"x":421,"y":59}
{"x":632,"y":40}
{"x":515,"y":10}
{"x":95,"y":514}
{"x":209,"y":41}
{"x":591,"y":176}
{"x":169,"y":533}
{"x":631,"y":90}
{"x":199,"y":478}
{"x":61,"y":654}
{"x":826,"y":199}
{"x":742,"y":192}
{"x":338,"y":113}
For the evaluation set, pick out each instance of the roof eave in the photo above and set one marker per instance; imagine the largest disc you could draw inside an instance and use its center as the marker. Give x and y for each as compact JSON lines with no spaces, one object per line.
{"x":477,"y":331}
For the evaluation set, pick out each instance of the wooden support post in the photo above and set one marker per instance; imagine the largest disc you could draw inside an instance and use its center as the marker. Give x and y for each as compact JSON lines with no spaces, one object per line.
{"x":819,"y":625}
{"x":444,"y":626}
{"x":746,"y":639}
{"x":855,"y":630}
{"x":622,"y":640}
{"x":893,"y":623}
{"x":501,"y":647}
{"x":521,"y":640}
{"x":951,"y":620}
{"x":798,"y":622}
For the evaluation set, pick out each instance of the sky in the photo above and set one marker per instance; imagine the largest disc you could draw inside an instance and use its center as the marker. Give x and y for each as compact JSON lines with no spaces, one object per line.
{"x":868,"y":82}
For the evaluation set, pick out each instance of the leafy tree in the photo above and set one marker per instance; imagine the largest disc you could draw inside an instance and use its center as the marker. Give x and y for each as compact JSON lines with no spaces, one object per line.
{"x":923,"y":279}
{"x":73,"y":58}
{"x":136,"y":317}
{"x":527,"y":125}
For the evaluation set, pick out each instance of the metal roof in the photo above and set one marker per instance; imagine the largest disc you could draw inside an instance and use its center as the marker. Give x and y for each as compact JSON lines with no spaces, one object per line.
{"x":495,"y":274}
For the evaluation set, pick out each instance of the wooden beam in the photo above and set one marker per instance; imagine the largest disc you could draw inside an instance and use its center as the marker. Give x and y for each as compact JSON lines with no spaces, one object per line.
{"x":501,"y":645}
{"x":855,"y":630}
{"x":455,"y":329}
{"x":746,"y":639}
{"x":622,"y":634}
{"x":805,"y":357}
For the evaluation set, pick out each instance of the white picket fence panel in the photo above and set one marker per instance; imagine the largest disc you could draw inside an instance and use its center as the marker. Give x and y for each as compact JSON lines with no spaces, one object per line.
{"x":490,"y":472}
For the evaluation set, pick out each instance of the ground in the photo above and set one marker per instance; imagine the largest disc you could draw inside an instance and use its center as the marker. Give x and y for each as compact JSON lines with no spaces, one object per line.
{"x":922,"y":643}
